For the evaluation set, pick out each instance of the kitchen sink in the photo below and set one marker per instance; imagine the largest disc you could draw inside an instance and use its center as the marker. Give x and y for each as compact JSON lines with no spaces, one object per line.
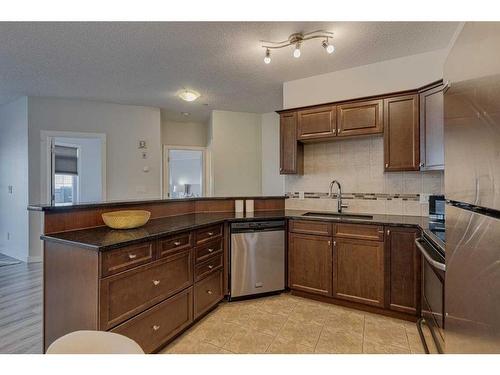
{"x":335,"y":215}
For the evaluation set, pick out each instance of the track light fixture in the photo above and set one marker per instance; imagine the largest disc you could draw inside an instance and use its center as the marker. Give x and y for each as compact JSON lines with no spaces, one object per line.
{"x":296,"y":40}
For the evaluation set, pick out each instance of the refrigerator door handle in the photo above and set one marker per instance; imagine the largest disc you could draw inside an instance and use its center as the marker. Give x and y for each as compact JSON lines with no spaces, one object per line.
{"x":432,"y":262}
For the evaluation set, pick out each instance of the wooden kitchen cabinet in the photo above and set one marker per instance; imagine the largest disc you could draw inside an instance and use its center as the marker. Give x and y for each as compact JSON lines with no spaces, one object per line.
{"x":291,"y":152}
{"x":404,"y":263}
{"x":401,"y":133}
{"x":310,"y":263}
{"x":316,"y":123}
{"x":360,"y":118}
{"x":358,"y":271}
{"x":431,"y":128}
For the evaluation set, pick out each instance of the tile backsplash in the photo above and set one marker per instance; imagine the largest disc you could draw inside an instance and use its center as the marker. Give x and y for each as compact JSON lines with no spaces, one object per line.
{"x":358,"y":164}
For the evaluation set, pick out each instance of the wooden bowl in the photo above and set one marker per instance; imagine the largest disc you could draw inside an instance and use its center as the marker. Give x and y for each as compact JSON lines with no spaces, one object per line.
{"x":126,"y":219}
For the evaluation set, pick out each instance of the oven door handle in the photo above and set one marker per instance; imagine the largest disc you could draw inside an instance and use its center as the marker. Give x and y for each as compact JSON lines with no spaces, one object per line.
{"x":432,"y":262}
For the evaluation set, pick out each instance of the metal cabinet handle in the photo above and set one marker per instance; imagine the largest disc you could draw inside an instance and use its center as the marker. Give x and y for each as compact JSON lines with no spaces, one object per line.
{"x":156,"y":327}
{"x":209,"y":292}
{"x":334,"y":131}
{"x":210,"y":233}
{"x":388,"y":232}
{"x":334,"y":243}
{"x":156,"y":282}
{"x":177,"y":243}
{"x":432,"y":262}
{"x":210,"y":267}
{"x":132,"y":256}
{"x":210,"y":250}
{"x":329,"y":242}
{"x":387,"y":165}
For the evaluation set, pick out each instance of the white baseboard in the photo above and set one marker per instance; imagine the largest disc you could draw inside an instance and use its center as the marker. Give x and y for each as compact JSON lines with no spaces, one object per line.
{"x":34,"y":259}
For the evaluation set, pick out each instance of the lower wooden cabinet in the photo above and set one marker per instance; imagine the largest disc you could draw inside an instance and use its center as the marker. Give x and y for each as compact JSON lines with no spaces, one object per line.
{"x":160,"y":323}
{"x":207,"y":293}
{"x":404,"y":266}
{"x":358,"y":271}
{"x":310,"y":263}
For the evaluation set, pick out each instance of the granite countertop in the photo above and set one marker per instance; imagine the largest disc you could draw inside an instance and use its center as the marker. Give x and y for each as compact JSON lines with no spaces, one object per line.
{"x":104,"y":238}
{"x":67,"y":207}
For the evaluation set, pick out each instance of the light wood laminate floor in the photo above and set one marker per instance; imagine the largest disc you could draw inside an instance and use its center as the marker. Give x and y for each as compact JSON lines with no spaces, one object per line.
{"x":289,"y":324}
{"x":21,"y":308}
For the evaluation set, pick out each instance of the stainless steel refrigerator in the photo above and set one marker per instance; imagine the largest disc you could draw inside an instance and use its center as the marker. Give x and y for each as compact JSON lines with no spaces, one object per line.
{"x":472,"y":185}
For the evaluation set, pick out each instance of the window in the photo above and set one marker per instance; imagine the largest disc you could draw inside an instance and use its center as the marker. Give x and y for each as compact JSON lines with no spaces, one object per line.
{"x":65,"y":188}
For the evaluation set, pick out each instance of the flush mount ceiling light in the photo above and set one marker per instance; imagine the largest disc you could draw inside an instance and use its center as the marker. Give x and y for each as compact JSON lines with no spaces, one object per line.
{"x":296,"y":40}
{"x":188,"y":95}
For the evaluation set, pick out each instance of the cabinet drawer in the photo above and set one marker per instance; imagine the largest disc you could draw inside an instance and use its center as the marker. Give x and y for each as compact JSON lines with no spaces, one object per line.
{"x":360,"y":231}
{"x":173,"y":244}
{"x":207,"y":293}
{"x":156,"y":326}
{"x":311,"y":227}
{"x":206,"y":251}
{"x":128,"y":293}
{"x":126,"y":258}
{"x":207,"y":234}
{"x":206,"y":268}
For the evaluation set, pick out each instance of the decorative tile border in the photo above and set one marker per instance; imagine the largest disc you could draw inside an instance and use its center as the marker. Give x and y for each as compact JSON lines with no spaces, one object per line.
{"x":364,"y":196}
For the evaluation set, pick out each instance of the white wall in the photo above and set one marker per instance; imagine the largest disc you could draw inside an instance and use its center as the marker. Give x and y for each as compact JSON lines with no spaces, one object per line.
{"x":90,"y":171}
{"x":272,"y":181}
{"x":14,"y":172}
{"x":235,"y":153}
{"x":123,"y":125}
{"x":183,"y":133}
{"x":404,"y":73}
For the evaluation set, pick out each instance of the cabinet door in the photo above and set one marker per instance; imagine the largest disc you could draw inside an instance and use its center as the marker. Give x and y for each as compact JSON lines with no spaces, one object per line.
{"x":310,"y":263}
{"x":317,"y":123}
{"x":403,"y":276}
{"x":431,"y":129}
{"x":291,"y":152}
{"x":401,"y":134}
{"x":360,"y":118}
{"x":358,"y":271}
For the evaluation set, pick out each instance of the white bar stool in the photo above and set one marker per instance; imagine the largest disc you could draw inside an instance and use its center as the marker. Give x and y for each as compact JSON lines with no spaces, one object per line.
{"x":94,"y":342}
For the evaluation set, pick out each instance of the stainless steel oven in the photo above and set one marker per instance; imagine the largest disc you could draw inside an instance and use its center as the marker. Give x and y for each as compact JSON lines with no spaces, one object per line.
{"x":433,"y":278}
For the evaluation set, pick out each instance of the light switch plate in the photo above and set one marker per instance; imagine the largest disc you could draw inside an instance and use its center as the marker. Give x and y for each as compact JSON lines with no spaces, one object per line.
{"x":301,"y":195}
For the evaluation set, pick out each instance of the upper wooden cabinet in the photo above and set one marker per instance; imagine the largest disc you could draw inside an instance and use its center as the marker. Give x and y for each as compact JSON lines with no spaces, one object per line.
{"x":310,"y":263}
{"x":291,"y":152}
{"x":401,"y":133}
{"x":403,"y":277}
{"x":360,"y":118}
{"x":317,"y":123}
{"x":431,"y":129}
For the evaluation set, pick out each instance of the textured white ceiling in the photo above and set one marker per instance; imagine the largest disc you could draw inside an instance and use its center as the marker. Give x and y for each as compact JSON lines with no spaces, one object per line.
{"x":147,"y":63}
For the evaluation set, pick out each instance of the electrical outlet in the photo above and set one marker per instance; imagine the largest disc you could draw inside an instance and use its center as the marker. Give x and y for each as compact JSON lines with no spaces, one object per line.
{"x":301,"y":195}
{"x":424,"y":198}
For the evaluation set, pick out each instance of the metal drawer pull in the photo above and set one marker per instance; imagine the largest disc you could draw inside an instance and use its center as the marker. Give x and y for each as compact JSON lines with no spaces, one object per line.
{"x":388,"y":232}
{"x":156,"y":327}
{"x":210,"y":267}
{"x":156,"y":282}
{"x":210,"y":250}
{"x":209,"y":292}
{"x":210,"y":233}
{"x":132,"y":256}
{"x":177,"y":243}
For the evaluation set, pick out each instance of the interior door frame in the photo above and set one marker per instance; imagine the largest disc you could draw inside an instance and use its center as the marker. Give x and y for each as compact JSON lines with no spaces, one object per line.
{"x":47,"y":137}
{"x":205,"y":183}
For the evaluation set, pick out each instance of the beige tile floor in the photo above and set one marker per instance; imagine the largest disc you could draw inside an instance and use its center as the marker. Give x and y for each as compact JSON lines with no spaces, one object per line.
{"x":289,"y":324}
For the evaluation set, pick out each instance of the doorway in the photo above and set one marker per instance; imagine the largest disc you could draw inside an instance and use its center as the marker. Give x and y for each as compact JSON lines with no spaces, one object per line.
{"x":76,"y":167}
{"x":184,"y":172}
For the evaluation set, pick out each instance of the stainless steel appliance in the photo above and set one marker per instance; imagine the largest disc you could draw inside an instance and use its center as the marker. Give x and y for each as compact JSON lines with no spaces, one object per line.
{"x":472,"y":183}
{"x":257,"y":258}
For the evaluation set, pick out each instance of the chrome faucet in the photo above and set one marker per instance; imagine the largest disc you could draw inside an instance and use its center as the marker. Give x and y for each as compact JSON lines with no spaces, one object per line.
{"x":340,"y":206}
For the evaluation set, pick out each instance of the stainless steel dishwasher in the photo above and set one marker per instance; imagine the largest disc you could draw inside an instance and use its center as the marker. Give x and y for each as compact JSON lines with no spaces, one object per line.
{"x":257,"y":258}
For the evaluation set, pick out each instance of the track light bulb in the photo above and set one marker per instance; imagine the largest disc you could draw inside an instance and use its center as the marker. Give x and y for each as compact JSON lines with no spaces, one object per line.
{"x":267,"y":59}
{"x":296,"y":51}
{"x":328,"y":47}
